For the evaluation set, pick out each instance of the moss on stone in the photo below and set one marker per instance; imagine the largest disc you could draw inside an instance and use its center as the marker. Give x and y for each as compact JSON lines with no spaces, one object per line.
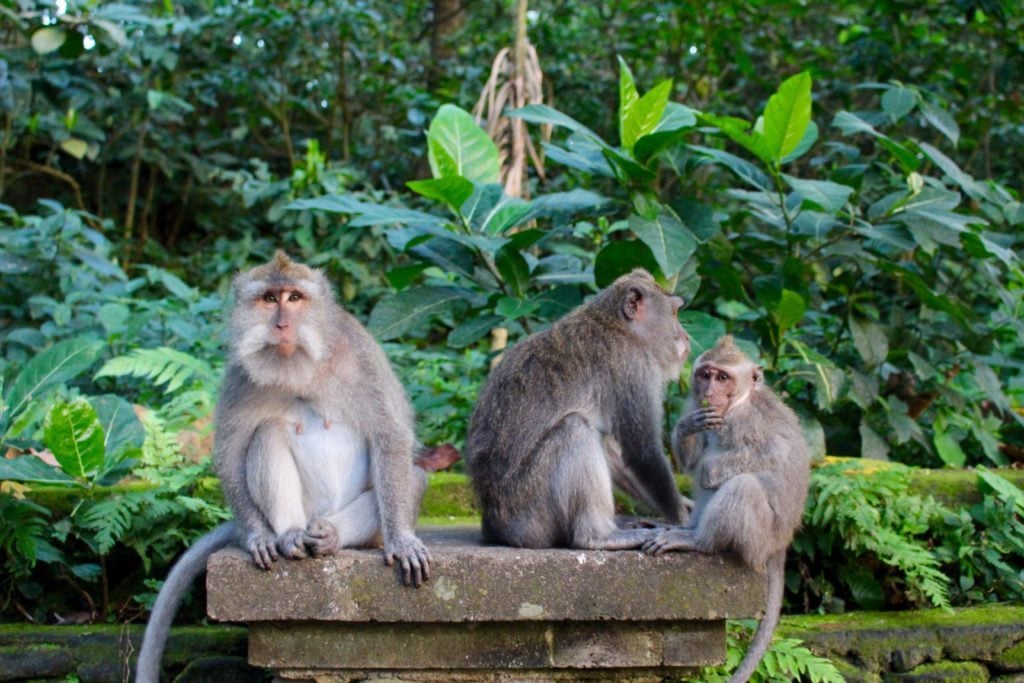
{"x":1011,"y":659}
{"x":448,"y":494}
{"x":953,"y":672}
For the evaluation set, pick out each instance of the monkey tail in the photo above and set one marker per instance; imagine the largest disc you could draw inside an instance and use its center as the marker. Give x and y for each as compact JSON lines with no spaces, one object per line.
{"x":181,"y":576}
{"x":776,"y":570}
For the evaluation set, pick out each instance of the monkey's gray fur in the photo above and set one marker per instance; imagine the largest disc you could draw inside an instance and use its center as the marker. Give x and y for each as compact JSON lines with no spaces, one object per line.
{"x":750,"y":465}
{"x":314,"y":440}
{"x":572,"y":409}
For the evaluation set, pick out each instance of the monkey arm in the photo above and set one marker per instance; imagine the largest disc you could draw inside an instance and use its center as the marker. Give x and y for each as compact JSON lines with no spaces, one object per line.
{"x":638,"y":418}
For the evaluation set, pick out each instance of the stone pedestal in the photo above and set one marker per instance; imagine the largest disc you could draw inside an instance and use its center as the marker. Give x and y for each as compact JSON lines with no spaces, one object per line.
{"x":488,"y":613}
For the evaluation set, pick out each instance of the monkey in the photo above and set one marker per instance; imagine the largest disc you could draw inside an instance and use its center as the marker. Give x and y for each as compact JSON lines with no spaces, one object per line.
{"x":570,"y":411}
{"x":750,"y":465}
{"x":313,"y":440}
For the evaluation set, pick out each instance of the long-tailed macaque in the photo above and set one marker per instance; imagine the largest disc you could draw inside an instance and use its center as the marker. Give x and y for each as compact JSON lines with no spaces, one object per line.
{"x":750,"y":465}
{"x":572,"y":409}
{"x":313,"y":440}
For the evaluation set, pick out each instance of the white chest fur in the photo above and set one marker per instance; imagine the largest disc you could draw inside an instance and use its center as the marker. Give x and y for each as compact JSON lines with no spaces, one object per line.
{"x":332,"y":461}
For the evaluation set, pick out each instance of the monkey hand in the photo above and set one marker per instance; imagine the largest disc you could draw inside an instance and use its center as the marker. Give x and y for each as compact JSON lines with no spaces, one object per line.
{"x":291,"y":544}
{"x":260,"y":545}
{"x":321,"y":538}
{"x":699,"y":420}
{"x":413,"y":558}
{"x":676,"y":538}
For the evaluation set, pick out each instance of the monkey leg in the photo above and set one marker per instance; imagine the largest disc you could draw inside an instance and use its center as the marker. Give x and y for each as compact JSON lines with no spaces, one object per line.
{"x":738,"y":517}
{"x":581,"y":487}
{"x":276,"y":487}
{"x":357,"y":525}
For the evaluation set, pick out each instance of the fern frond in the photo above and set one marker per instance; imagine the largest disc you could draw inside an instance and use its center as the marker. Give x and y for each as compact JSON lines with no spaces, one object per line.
{"x":110,"y":519}
{"x":163,"y":366}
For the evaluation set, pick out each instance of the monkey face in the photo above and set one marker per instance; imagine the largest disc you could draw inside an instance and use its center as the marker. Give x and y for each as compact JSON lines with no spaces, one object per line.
{"x":283,"y":308}
{"x":719,"y":387}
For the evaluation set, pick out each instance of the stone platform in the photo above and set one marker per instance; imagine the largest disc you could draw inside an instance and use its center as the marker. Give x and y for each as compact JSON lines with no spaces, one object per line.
{"x":488,"y":613}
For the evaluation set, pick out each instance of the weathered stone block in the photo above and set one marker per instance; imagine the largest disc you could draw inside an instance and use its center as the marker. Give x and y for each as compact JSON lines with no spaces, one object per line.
{"x":473,"y":582}
{"x":489,"y":613}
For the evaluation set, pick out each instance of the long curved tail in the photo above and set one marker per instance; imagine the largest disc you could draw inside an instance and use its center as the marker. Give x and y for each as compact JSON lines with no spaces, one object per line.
{"x":776,"y":571}
{"x":181,"y":576}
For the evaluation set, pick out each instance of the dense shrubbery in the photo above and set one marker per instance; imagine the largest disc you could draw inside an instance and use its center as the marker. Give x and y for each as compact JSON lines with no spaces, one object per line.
{"x":861,"y":236}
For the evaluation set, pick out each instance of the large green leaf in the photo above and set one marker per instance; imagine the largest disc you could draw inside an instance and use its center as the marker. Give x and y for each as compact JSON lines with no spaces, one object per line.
{"x":61,"y":362}
{"x":122,"y":430}
{"x":898,"y":101}
{"x":403,"y":312}
{"x":704,"y":330}
{"x":458,"y":146}
{"x":74,"y":435}
{"x":453,"y":190}
{"x":674,"y":124}
{"x":29,"y":468}
{"x":942,"y":121}
{"x":831,"y":197}
{"x":473,"y":329}
{"x":787,"y":115}
{"x":738,"y":131}
{"x":513,"y":268}
{"x":644,"y":116}
{"x":628,"y":97}
{"x":542,"y":113}
{"x":621,"y":256}
{"x":745,"y":170}
{"x":1005,"y":489}
{"x":668,"y":238}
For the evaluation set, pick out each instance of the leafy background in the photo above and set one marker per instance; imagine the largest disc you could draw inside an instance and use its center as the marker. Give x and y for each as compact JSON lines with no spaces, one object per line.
{"x":837,"y":186}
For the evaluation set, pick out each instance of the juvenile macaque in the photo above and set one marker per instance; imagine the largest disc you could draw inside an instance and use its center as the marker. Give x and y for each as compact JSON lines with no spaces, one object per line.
{"x":750,"y":466}
{"x":573,"y":409}
{"x":314,"y":440}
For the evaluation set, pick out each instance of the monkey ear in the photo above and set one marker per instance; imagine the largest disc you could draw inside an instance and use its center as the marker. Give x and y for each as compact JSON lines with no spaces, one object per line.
{"x":758,"y":374}
{"x":633,"y":304}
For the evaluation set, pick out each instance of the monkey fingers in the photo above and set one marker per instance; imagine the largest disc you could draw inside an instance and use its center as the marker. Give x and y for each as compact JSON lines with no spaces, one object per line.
{"x":291,"y":544}
{"x":413,"y":559}
{"x":261,"y":548}
{"x":321,"y":538}
{"x":674,"y":539}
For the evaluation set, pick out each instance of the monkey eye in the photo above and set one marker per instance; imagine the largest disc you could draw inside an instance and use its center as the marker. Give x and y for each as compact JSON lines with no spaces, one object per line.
{"x":295,"y":296}
{"x":722,"y":377}
{"x":706,"y":374}
{"x":270,"y":298}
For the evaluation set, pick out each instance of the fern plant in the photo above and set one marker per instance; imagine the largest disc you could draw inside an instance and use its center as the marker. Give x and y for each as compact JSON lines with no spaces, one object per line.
{"x":786,"y":660}
{"x":863,"y":511}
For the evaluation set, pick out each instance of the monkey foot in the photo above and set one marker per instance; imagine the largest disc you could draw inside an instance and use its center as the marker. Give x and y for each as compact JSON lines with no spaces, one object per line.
{"x":437,"y":458}
{"x":673,"y":539}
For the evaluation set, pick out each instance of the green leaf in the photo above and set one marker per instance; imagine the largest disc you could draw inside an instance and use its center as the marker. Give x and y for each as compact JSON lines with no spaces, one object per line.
{"x":870,"y":340}
{"x":453,"y":190}
{"x":621,"y":256}
{"x":790,"y":310}
{"x":29,"y":468}
{"x":458,"y":146}
{"x":942,"y":121}
{"x":61,"y":362}
{"x":787,"y":115}
{"x":403,"y":276}
{"x":626,"y":170}
{"x":506,"y":214}
{"x":898,"y":101}
{"x":113,"y":317}
{"x":543,"y":114}
{"x":872,"y":446}
{"x":512,"y":308}
{"x":810,"y":137}
{"x":1005,"y":489}
{"x":644,"y":116}
{"x":513,"y":268}
{"x":472,"y":330}
{"x":737,"y":130}
{"x":948,"y":447}
{"x":675,"y":122}
{"x":669,"y":240}
{"x":48,"y":39}
{"x":559,"y":205}
{"x":122,"y":429}
{"x":628,"y":97}
{"x":329,"y":202}
{"x":745,"y":170}
{"x":704,"y":330}
{"x":829,"y":196}
{"x":403,"y":312}
{"x":74,"y":435}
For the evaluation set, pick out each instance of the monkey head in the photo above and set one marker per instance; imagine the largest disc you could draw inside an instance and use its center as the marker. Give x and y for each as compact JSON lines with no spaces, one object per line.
{"x":652,"y":314}
{"x":724,"y":377}
{"x":278,"y":321}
